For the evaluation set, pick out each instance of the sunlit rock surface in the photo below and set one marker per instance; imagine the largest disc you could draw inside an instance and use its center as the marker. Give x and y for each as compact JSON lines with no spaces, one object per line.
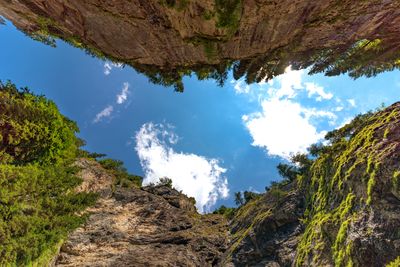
{"x":166,"y":39}
{"x":156,"y":226}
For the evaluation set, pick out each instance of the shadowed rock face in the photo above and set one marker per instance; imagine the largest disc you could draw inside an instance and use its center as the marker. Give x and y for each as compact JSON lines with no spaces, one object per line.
{"x":167,"y":39}
{"x":266,"y":231}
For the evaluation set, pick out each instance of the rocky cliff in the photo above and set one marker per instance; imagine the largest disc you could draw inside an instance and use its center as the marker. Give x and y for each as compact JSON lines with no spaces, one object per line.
{"x":166,"y":39}
{"x":342,"y":210}
{"x":152,"y":226}
{"x":163,"y":33}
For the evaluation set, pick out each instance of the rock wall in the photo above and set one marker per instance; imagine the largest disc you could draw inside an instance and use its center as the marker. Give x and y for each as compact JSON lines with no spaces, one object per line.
{"x":168,"y":34}
{"x":153,"y":226}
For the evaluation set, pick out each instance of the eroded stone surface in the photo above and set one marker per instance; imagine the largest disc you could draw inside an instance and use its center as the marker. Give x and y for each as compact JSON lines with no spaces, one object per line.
{"x":157,"y":226}
{"x":150,"y":33}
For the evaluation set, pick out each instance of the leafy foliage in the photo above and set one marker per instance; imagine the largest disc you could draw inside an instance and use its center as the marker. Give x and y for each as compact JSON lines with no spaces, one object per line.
{"x":32,"y":130}
{"x":239,"y":199}
{"x":38,"y":206}
{"x":228,"y":13}
{"x":165,"y":181}
{"x":37,"y":210}
{"x":246,"y":197}
{"x":123,"y":178}
{"x":225,"y":211}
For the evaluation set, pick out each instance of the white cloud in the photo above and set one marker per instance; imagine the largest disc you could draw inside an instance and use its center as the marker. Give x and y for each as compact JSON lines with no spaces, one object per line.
{"x":123,"y":96}
{"x":352,"y":102}
{"x":290,"y":81}
{"x":287,"y":85}
{"x":108,"y":66}
{"x":106,"y":112}
{"x":314,"y":89}
{"x":195,"y":175}
{"x":283,"y":127}
{"x":241,"y":87}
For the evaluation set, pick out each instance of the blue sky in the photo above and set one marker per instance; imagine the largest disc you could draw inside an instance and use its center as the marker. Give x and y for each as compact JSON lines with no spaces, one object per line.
{"x":210,"y":140}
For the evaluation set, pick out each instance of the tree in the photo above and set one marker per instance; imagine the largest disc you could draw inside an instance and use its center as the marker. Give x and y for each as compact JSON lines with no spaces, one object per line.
{"x":287,"y":171}
{"x":32,"y":130}
{"x":38,"y":203}
{"x":248,"y":196}
{"x":227,"y":212}
{"x":165,"y":181}
{"x":239,"y":199}
{"x":122,"y":177}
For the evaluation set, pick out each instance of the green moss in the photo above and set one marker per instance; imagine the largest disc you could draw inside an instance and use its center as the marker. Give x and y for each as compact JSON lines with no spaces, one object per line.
{"x":179,"y":5}
{"x":396,"y":181}
{"x":313,"y":237}
{"x":371,"y":184}
{"x":228,"y":14}
{"x":208,"y":15}
{"x":354,"y":153}
{"x":395,"y":263}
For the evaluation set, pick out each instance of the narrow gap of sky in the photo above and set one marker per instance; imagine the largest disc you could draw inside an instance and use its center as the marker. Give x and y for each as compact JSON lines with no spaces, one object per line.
{"x":211,"y":141}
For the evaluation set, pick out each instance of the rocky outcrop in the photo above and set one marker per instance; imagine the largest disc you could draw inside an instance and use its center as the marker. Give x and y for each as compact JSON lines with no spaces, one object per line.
{"x":167,"y":34}
{"x":353,"y":188}
{"x":344,"y":210}
{"x":153,"y":226}
{"x":266,"y":231}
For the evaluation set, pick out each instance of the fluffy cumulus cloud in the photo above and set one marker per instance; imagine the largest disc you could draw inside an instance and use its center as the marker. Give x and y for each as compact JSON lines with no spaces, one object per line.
{"x":105,"y":113}
{"x":123,"y":96}
{"x":197,"y":176}
{"x":285,"y":127}
{"x":290,"y":81}
{"x":315,"y":89}
{"x":108,"y":66}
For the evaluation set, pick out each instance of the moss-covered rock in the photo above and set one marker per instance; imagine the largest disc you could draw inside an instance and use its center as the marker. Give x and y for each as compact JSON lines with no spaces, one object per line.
{"x":344,"y":210}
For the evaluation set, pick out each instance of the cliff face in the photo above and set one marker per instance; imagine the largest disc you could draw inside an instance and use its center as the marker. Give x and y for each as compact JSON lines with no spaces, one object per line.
{"x":157,"y":33}
{"x":342,"y":210}
{"x":155,"y":226}
{"x":354,"y":195}
{"x":168,"y":34}
{"x":266,"y":231}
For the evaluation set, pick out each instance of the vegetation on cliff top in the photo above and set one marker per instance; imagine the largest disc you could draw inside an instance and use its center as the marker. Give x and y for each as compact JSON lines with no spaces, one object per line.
{"x":38,"y":204}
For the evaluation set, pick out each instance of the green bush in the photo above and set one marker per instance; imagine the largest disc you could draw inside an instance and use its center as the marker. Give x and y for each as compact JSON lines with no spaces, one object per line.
{"x":38,"y":205}
{"x":123,"y":178}
{"x":227,"y":212}
{"x":32,"y":130}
